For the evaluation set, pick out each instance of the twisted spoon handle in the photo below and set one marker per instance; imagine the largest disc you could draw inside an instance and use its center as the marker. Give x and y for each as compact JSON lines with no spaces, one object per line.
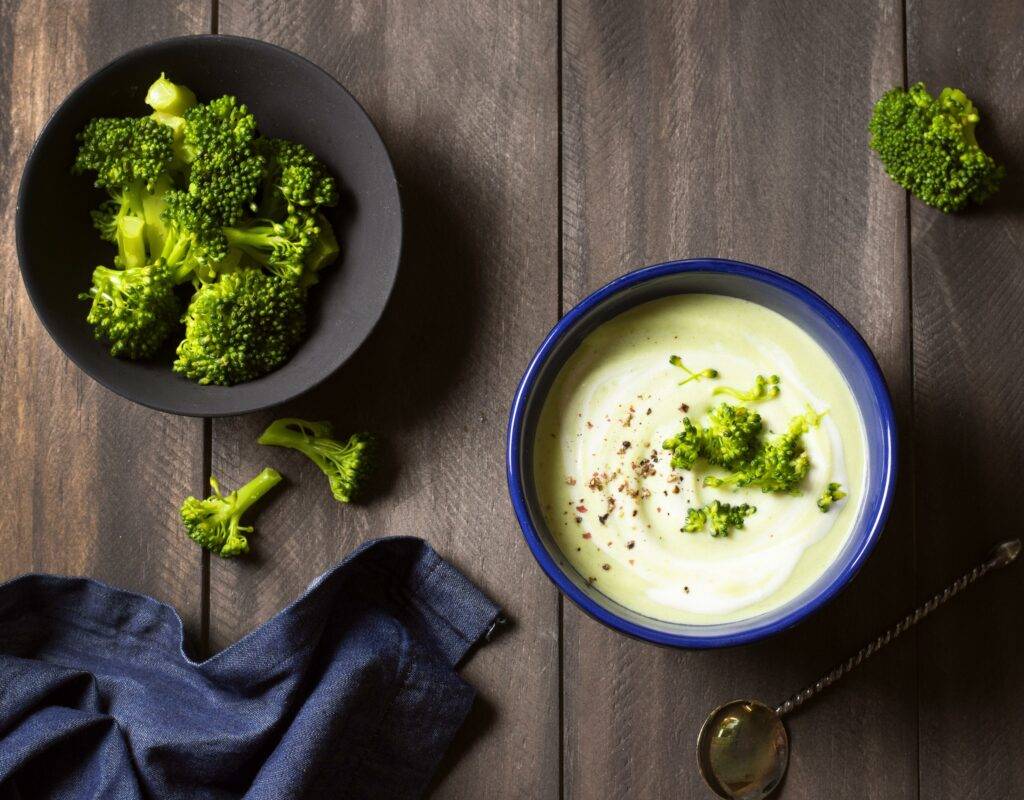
{"x":1002,"y":555}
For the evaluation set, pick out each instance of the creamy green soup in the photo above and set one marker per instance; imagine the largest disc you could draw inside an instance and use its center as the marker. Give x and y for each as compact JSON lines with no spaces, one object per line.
{"x":615,"y":505}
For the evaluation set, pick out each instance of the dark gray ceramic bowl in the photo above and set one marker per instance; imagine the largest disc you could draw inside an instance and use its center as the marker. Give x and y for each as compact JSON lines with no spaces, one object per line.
{"x":291,"y":98}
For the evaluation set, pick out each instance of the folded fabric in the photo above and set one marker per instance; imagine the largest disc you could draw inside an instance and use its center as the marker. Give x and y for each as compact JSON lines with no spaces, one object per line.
{"x":350,"y":692}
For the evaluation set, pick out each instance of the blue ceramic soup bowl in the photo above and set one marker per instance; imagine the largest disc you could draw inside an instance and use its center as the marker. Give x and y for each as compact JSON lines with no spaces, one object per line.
{"x":783,"y":295}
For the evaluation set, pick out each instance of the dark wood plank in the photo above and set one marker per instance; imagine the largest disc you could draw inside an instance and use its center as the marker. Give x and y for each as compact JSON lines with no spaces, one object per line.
{"x":465,"y":96}
{"x":968,"y":362}
{"x":739,"y":130}
{"x":91,"y":482}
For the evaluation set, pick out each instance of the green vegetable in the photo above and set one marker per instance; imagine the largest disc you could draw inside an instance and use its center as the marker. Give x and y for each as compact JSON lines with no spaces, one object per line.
{"x":729,"y":438}
{"x":832,"y":493}
{"x":183,"y":184}
{"x":215,"y":522}
{"x":134,"y":309}
{"x":778,"y":465}
{"x":241,"y":326}
{"x":676,"y":361}
{"x":764,"y":389}
{"x":927,"y":145}
{"x":347,"y":465}
{"x":722,"y":516}
{"x":129,"y":157}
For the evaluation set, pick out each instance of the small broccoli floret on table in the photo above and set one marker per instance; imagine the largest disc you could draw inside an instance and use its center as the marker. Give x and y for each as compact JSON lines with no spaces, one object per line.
{"x":216,"y":522}
{"x":240,"y":326}
{"x":928,"y":146}
{"x":133,"y":310}
{"x":347,"y":465}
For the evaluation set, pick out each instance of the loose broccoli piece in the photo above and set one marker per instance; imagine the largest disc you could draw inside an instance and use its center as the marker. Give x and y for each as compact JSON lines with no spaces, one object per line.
{"x":764,"y":389}
{"x":129,"y":156}
{"x":281,"y":247}
{"x":728,"y":439}
{"x":831,"y":494}
{"x":927,"y":145}
{"x":676,"y":361}
{"x":780,"y":463}
{"x":347,"y":465}
{"x":294,"y":179}
{"x":216,"y":522}
{"x":239,"y":327}
{"x":133,"y":310}
{"x":722,"y":516}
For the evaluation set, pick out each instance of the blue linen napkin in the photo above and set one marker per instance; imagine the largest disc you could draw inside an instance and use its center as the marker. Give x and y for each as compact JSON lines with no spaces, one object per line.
{"x":350,"y":692}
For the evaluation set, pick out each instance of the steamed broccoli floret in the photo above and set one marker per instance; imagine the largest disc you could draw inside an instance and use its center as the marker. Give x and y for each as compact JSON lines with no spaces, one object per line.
{"x":216,"y":522}
{"x":731,"y":435}
{"x":764,"y":389}
{"x":832,"y":493}
{"x":281,"y":247}
{"x":780,"y":463}
{"x":927,"y":145}
{"x":722,"y":516}
{"x":239,"y":327}
{"x":676,"y":361}
{"x":729,"y":438}
{"x":347,"y":465}
{"x":133,"y":310}
{"x":129,"y":156}
{"x":294,"y":179}
{"x":224,"y":166}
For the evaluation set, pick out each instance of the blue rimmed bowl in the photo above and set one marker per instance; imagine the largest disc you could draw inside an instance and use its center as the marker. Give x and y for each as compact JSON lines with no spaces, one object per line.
{"x":783,"y":295}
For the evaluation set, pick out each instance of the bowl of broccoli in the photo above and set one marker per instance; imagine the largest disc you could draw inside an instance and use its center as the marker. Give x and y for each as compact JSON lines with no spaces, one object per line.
{"x":209,"y":225}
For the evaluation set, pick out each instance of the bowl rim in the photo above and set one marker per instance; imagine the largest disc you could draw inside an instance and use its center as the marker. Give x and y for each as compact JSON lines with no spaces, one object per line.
{"x":28,"y":281}
{"x":871,"y":527}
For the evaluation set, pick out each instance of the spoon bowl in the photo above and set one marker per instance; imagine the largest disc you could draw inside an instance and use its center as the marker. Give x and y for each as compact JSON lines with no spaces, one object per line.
{"x":743,"y":750}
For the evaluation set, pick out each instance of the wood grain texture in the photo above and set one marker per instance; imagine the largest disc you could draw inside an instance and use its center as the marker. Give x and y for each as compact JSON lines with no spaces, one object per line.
{"x":739,"y":130}
{"x":465,"y":96}
{"x":968,"y":361}
{"x":91,"y":482}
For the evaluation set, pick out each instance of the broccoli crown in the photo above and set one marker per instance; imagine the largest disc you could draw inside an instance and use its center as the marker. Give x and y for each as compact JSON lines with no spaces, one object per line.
{"x":723,"y":517}
{"x":281,"y":247}
{"x":831,"y":494}
{"x":347,"y":465}
{"x":133,"y":310}
{"x":778,"y":465}
{"x":927,"y":145}
{"x":124,"y":150}
{"x":764,"y":389}
{"x":728,"y":439}
{"x":224,"y":166}
{"x":294,"y":179}
{"x":193,"y":240}
{"x":239,"y":327}
{"x":216,"y":522}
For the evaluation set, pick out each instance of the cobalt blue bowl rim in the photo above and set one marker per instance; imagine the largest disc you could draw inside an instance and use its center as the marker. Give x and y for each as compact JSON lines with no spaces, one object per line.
{"x":871,"y":526}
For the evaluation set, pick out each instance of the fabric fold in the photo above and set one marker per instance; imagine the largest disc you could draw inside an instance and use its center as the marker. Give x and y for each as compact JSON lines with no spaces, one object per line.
{"x":349,"y":692}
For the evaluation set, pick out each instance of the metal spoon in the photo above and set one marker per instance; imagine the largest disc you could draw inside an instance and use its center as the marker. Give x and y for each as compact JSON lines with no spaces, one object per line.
{"x":743,"y":747}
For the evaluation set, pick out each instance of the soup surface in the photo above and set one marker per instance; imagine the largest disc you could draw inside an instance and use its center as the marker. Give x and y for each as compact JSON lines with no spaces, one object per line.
{"x":617,"y":507}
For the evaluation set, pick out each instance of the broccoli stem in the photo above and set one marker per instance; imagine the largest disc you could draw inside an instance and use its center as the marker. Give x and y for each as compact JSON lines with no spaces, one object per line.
{"x":169,"y":97}
{"x":255,"y":489}
{"x":295,"y":433}
{"x":131,"y":241}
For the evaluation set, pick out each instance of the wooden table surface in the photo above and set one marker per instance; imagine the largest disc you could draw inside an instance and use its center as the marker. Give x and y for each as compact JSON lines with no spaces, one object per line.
{"x":543,"y":149}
